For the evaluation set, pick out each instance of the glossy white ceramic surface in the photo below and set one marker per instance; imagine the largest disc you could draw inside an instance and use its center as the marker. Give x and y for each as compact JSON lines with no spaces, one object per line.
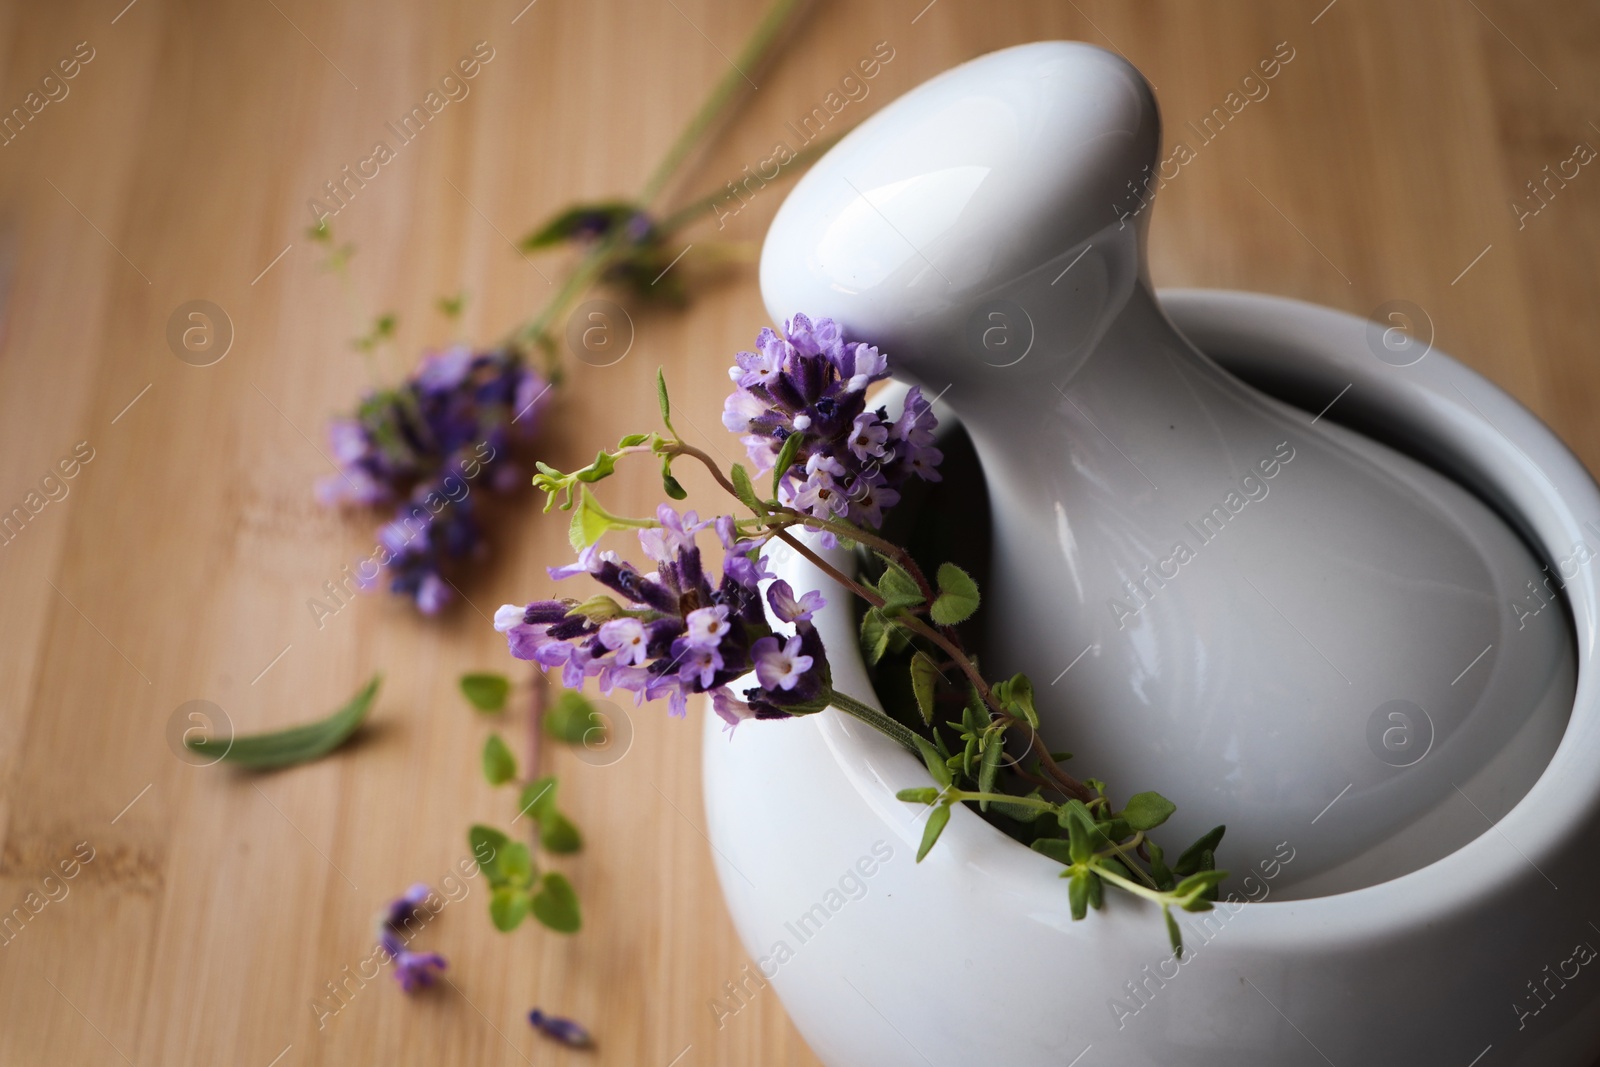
{"x":971,"y":957}
{"x":1251,"y":611}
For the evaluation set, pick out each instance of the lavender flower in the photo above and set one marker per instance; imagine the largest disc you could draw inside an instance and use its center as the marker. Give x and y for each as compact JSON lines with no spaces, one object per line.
{"x":677,"y":632}
{"x":558,"y":1029}
{"x":421,"y":447}
{"x":851,"y":460}
{"x":412,"y":970}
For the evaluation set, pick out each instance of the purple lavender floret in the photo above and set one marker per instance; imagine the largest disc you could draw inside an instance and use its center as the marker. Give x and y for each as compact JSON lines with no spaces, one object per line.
{"x":559,"y":1029}
{"x":413,"y":970}
{"x":683,"y":631}
{"x":852,"y":460}
{"x":424,"y":447}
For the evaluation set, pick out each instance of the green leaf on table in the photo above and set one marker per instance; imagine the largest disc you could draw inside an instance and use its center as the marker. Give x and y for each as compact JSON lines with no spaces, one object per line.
{"x":298,"y":744}
{"x":573,"y":720}
{"x":508,"y":905}
{"x":488,"y":848}
{"x":537,"y":795}
{"x":743,"y":489}
{"x":924,"y":683}
{"x":556,"y":832}
{"x":486,"y":692}
{"x":516,"y":863}
{"x":937,"y":818}
{"x":958,"y":595}
{"x":1173,"y":933}
{"x":556,"y":905}
{"x":1146,"y":811}
{"x":499,"y":766}
{"x":579,"y":219}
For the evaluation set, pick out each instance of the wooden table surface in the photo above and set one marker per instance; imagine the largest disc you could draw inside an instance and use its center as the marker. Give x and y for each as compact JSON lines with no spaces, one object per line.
{"x":1383,"y":164}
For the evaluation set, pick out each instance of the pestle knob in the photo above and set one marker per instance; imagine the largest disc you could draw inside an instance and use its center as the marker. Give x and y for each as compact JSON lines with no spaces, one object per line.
{"x":1280,"y":624}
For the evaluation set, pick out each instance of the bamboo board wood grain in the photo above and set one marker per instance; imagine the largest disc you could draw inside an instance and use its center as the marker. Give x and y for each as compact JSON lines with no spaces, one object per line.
{"x":1383,"y":164}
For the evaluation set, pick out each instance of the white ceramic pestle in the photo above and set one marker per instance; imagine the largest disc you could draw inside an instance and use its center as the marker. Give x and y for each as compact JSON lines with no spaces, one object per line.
{"x":1280,"y":624}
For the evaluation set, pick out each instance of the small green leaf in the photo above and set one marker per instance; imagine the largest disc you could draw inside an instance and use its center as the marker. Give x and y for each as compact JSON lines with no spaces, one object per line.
{"x":516,"y":864}
{"x":589,"y":521}
{"x":604,"y":465}
{"x":1096,"y":891}
{"x":670,"y":485}
{"x":556,"y":905}
{"x":1019,"y":696}
{"x":994,"y":749}
{"x":918,"y":795}
{"x":557,"y":834}
{"x":1198,"y":885}
{"x":486,"y":692}
{"x":663,"y":401}
{"x":1146,"y":811}
{"x":1080,"y":829}
{"x":499,"y":767}
{"x":1194,"y":856}
{"x":924,"y":683}
{"x":899,"y":589}
{"x":598,"y":608}
{"x":488,"y":847}
{"x":1173,"y":933}
{"x":935,"y":762}
{"x":1078,"y":892}
{"x":1022,"y":812}
{"x":298,"y":744}
{"x":537,"y":796}
{"x":786,"y":454}
{"x":930,"y":833}
{"x":958,"y":595}
{"x":579,"y":218}
{"x":507,"y":907}
{"x":633,"y":440}
{"x":573,"y":720}
{"x":744,"y":490}
{"x":874,"y":635}
{"x":1055,"y":848}
{"x":450,"y":306}
{"x":1158,"y":866}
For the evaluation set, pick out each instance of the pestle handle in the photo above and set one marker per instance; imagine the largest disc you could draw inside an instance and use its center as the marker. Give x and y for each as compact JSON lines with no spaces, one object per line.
{"x":992,"y":213}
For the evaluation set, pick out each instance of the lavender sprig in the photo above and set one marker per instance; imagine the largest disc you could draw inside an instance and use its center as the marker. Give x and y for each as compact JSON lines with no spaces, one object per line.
{"x":410,"y":446}
{"x":836,"y":464}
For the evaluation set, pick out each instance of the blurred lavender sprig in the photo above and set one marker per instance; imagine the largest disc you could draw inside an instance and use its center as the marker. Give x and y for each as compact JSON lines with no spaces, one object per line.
{"x":423,"y":448}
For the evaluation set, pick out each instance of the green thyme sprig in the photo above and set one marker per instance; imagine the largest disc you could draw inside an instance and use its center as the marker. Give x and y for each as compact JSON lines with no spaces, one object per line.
{"x":517,"y":888}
